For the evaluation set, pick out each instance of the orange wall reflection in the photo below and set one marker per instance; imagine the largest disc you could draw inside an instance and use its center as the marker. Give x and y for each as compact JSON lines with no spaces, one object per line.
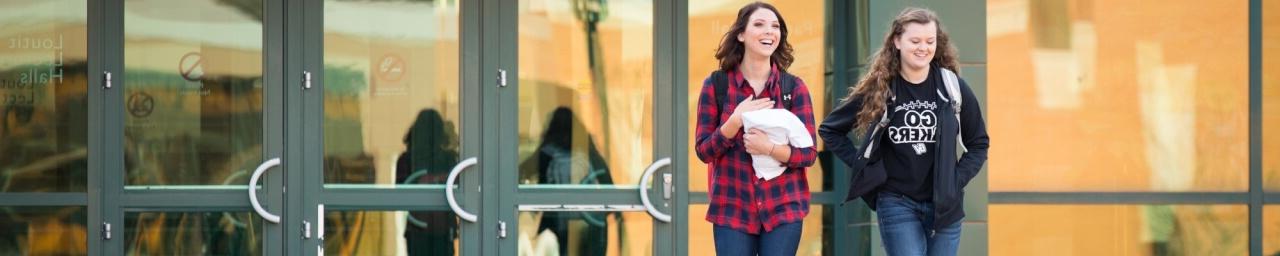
{"x":1118,"y":96}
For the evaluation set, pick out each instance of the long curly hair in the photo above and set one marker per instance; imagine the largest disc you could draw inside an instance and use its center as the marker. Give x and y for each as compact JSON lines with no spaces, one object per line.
{"x":873,"y":88}
{"x":730,"y":52}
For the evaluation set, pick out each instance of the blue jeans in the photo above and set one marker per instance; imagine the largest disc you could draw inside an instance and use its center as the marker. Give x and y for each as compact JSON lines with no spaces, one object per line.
{"x":906,"y":227}
{"x":783,"y":240}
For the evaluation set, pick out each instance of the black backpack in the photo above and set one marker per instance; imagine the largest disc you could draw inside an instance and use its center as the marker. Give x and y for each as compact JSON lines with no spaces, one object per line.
{"x":721,"y":82}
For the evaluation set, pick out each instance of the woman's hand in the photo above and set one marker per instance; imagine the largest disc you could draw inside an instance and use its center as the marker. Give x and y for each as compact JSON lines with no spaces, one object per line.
{"x":730,"y":127}
{"x":757,"y":142}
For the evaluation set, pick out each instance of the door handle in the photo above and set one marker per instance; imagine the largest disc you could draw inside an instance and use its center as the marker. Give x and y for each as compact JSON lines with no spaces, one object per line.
{"x":253,"y":188}
{"x":448,"y":190}
{"x":644,"y":189}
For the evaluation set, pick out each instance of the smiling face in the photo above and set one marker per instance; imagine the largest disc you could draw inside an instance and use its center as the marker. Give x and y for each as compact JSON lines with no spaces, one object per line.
{"x":916,"y":45}
{"x":762,"y":34}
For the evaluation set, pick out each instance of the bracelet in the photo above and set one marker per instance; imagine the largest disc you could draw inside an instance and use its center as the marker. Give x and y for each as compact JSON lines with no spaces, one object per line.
{"x":775,"y":146}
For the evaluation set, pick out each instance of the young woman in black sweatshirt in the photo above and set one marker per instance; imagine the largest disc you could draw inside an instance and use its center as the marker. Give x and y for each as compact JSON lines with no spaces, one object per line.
{"x":910,"y":124}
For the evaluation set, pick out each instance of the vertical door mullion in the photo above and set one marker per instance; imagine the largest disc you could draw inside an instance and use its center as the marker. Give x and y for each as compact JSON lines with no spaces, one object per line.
{"x":275,"y":240}
{"x":679,"y":68}
{"x":499,"y":53}
{"x":508,"y":53}
{"x":110,"y":113}
{"x":1256,"y":174}
{"x":839,"y":12}
{"x":305,"y":53}
{"x":471,"y":116}
{"x":664,"y":124}
{"x":94,"y":186}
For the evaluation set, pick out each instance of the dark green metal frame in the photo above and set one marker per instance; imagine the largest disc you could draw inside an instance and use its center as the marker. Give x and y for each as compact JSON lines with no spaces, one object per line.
{"x":292,"y":43}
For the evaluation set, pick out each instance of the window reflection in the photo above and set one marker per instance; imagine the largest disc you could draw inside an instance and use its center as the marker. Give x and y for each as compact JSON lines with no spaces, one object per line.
{"x":1271,"y":230}
{"x":563,"y":158}
{"x":43,"y":103}
{"x":43,"y":231}
{"x":585,"y":91}
{"x":1100,"y":99}
{"x":192,"y":93}
{"x":390,"y":91}
{"x":1119,"y":229}
{"x":390,"y":233}
{"x":585,"y":233}
{"x":1271,"y":94}
{"x":193,"y":233}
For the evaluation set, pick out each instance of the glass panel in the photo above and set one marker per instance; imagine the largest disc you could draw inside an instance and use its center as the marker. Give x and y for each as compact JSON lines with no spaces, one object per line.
{"x":586,"y":91}
{"x":192,"y":233}
{"x":814,"y":237}
{"x":1271,"y":230}
{"x":390,"y":91}
{"x":806,"y":26}
{"x":43,"y":103}
{"x":43,"y":231}
{"x":585,"y":233}
{"x":1150,"y":102}
{"x":1271,"y":93}
{"x":1119,"y":229}
{"x":390,"y":233}
{"x":193,"y":91}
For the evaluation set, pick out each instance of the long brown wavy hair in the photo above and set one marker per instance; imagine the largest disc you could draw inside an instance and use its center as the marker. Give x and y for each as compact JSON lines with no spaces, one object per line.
{"x":873,"y":88}
{"x":730,"y":52}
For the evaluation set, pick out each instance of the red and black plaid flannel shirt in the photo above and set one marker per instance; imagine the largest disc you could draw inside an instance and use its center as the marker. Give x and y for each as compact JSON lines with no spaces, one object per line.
{"x":739,"y":200}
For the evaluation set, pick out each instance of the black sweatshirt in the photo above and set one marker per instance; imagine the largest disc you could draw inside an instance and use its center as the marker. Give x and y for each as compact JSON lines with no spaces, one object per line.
{"x":951,"y":173}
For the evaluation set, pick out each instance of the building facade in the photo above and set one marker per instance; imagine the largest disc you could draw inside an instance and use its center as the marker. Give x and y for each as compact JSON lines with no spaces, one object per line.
{"x":565,"y":127}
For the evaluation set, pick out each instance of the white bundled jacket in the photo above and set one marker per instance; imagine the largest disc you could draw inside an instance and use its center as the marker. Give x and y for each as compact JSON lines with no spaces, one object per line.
{"x":783,"y":127}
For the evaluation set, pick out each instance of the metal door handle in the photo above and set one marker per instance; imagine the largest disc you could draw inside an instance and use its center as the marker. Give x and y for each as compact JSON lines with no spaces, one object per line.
{"x":320,"y":221}
{"x":644,"y":189}
{"x":253,"y":188}
{"x":448,"y":190}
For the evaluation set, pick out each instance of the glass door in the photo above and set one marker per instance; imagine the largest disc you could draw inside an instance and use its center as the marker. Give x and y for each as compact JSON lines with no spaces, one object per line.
{"x":45,"y":127}
{"x":193,"y":130}
{"x":583,"y":150}
{"x":388,"y":132}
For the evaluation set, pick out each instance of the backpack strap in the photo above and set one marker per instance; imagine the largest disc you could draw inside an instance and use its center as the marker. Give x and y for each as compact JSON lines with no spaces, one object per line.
{"x":720,"y":82}
{"x":788,"y":84}
{"x":952,"y":84}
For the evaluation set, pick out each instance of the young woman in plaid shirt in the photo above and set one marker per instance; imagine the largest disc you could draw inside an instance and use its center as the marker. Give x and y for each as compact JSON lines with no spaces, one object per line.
{"x":753,"y":215}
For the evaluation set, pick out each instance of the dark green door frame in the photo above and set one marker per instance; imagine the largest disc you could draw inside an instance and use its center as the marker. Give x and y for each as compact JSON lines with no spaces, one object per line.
{"x":110,"y":201}
{"x":499,"y":111}
{"x":306,"y":140}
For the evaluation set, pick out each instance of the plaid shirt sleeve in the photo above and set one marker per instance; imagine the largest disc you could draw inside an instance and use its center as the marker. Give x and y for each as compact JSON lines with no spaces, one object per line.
{"x":711,"y":144}
{"x":802,"y":106}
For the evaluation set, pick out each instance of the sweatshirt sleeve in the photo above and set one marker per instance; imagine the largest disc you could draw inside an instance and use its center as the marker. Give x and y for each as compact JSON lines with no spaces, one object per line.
{"x":973,"y":131}
{"x":835,"y":130}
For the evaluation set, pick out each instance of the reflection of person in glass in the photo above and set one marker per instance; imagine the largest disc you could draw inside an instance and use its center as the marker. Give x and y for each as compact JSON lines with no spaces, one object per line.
{"x":906,"y":107}
{"x":567,"y":152}
{"x":431,"y":152}
{"x":753,"y":215}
